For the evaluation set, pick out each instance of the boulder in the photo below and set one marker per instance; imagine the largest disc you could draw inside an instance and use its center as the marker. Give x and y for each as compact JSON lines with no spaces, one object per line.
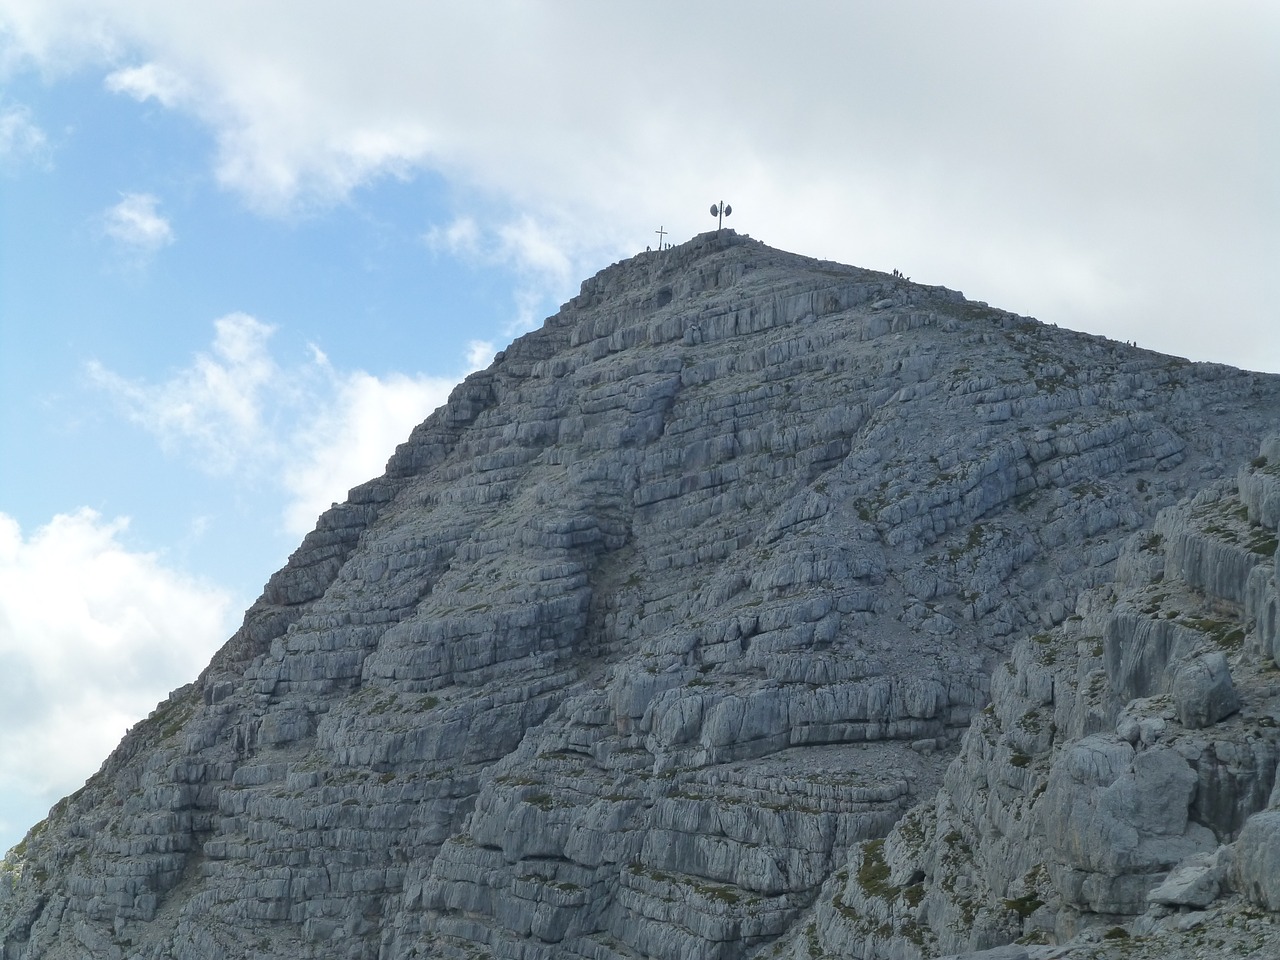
{"x":1203,"y":692}
{"x":1116,"y":819}
{"x":1196,"y":882}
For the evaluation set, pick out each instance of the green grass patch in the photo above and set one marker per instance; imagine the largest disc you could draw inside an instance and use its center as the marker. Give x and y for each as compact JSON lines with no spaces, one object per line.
{"x":873,"y":873}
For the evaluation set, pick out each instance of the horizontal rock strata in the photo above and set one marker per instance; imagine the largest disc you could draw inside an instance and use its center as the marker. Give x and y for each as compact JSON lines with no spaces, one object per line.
{"x":649,"y":636}
{"x":1119,"y":796}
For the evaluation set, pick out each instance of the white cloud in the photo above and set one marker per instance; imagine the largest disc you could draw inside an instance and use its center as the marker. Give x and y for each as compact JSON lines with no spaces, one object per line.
{"x":93,"y":635}
{"x":535,"y":248}
{"x":542,"y":255}
{"x":480,"y":353}
{"x":543,"y":258}
{"x":21,"y":139}
{"x":1134,"y":137}
{"x":350,"y":438}
{"x":135,"y":224}
{"x":148,"y":81}
{"x":215,"y":407}
{"x":311,"y":429}
{"x":460,"y":238}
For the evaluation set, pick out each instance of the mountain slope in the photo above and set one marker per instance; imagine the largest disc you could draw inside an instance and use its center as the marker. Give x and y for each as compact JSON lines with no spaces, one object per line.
{"x":691,"y":592}
{"x":1118,"y":798}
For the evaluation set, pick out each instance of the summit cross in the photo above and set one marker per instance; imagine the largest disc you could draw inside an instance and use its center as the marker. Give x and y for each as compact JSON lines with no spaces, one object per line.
{"x":661,"y":233}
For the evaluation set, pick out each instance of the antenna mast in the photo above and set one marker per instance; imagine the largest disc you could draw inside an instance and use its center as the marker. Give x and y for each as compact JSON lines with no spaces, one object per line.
{"x":720,"y":211}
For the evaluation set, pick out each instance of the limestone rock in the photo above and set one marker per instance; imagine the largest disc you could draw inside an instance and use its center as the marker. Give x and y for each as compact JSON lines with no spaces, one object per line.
{"x":1260,"y":485}
{"x":1203,"y":692}
{"x":1010,"y":952}
{"x":1114,"y":819}
{"x":1087,"y":838}
{"x":647,"y":639}
{"x":1196,"y":882}
{"x":1256,"y":870}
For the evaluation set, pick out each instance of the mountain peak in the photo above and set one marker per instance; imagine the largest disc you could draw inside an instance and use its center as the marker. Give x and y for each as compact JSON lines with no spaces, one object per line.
{"x":645,"y":634}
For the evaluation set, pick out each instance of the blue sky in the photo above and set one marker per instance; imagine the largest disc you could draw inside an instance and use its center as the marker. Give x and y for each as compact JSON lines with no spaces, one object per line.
{"x":245,"y":247}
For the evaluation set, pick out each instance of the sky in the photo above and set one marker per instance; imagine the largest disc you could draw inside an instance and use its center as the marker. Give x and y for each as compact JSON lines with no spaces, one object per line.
{"x":245,"y":247}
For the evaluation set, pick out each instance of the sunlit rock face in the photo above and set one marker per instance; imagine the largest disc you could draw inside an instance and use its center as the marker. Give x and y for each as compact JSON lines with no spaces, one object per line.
{"x":647,"y":639}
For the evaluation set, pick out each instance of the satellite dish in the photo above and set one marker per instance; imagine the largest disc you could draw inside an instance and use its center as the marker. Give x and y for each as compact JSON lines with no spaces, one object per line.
{"x":727,"y":209}
{"x":715,"y":210}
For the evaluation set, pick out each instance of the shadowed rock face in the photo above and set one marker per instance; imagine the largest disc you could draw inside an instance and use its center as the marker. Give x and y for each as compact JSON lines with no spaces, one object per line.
{"x":647,"y":630}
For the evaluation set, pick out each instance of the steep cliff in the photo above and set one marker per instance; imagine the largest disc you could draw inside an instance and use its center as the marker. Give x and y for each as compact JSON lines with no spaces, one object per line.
{"x":659,"y":620}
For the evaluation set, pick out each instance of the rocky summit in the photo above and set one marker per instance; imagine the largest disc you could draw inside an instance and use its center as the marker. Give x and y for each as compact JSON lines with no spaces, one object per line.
{"x":754,"y":606}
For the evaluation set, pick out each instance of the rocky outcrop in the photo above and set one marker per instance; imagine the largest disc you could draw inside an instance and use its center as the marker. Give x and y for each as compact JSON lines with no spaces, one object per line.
{"x":1257,"y":860}
{"x":1119,"y":797}
{"x":647,"y":639}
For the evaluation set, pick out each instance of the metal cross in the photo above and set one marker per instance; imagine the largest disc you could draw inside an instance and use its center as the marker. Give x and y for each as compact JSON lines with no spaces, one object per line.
{"x":661,"y":233}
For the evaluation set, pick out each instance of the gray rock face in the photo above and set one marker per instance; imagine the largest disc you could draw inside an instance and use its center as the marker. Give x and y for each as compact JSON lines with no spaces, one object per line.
{"x":1114,"y":818}
{"x":1196,"y":882}
{"x":649,"y":636}
{"x":1203,"y":692}
{"x":1257,"y":861}
{"x":995,"y":953}
{"x":1120,"y":785}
